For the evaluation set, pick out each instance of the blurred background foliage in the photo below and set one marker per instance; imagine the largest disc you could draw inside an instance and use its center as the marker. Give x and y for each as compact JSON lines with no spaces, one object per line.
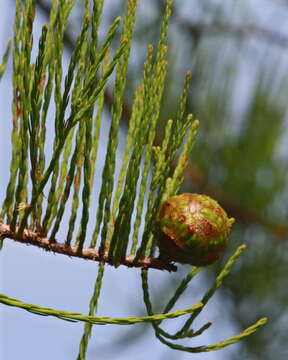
{"x":237,"y":52}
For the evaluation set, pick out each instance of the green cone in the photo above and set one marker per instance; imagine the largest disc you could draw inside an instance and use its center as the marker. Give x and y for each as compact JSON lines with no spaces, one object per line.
{"x":192,"y":229}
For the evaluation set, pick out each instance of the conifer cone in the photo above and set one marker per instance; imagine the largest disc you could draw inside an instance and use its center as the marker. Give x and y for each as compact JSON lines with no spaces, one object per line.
{"x":192,"y":229}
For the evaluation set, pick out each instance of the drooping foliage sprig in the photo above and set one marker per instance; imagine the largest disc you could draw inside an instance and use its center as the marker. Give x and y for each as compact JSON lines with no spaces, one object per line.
{"x":186,"y":331}
{"x":50,"y":179}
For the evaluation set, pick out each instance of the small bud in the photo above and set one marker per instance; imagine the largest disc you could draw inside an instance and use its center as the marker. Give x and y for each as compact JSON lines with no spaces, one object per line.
{"x":192,"y":229}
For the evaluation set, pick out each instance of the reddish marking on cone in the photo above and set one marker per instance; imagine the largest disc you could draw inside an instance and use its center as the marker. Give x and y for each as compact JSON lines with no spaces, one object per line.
{"x":182,"y":218}
{"x":166,"y":208}
{"x":191,"y":229}
{"x":218,"y":211}
{"x":208,"y":229}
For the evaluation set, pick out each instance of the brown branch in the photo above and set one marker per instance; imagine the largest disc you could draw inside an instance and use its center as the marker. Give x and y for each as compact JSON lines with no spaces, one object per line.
{"x":32,"y":238}
{"x":197,"y":29}
{"x":228,"y":29}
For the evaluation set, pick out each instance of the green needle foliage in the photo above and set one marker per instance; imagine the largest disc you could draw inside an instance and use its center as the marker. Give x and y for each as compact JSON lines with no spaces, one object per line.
{"x":5,"y":59}
{"x":92,"y":319}
{"x":147,"y":175}
{"x":186,"y":332}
